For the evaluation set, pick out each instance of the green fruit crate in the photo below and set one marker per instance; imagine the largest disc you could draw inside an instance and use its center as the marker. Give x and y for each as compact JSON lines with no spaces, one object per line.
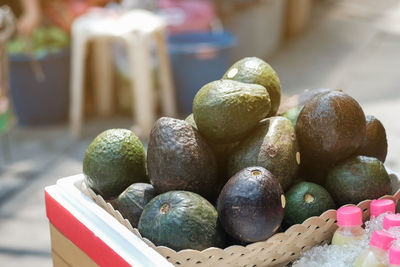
{"x":87,"y":231}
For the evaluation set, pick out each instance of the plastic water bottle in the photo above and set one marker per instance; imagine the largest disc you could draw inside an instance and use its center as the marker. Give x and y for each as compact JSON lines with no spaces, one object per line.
{"x":349,"y":220}
{"x":380,"y":206}
{"x":391,"y":220}
{"x":376,"y":254}
{"x":394,"y":257}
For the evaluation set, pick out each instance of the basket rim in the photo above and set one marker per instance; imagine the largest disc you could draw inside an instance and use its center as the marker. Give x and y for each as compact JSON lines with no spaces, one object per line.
{"x":292,"y":228}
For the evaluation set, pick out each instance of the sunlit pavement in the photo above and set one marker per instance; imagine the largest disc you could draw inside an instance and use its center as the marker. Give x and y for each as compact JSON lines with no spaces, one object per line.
{"x":353,"y":46}
{"x":39,"y":157}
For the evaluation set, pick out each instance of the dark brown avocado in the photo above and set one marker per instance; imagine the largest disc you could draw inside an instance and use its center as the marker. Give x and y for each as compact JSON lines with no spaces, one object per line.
{"x":179,"y":158}
{"x":375,"y":142}
{"x":251,"y":205}
{"x":330,"y":128}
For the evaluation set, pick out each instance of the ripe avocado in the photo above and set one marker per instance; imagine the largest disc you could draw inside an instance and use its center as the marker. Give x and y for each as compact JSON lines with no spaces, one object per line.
{"x":257,"y":71}
{"x":272,"y":145}
{"x":292,"y":114}
{"x":330,"y":128}
{"x":356,"y":179}
{"x":305,"y":200}
{"x":225,"y":111}
{"x":190,"y":119}
{"x":179,"y":158}
{"x":132,"y":201}
{"x":375,"y":142}
{"x":251,"y":205}
{"x":181,"y":220}
{"x":114,"y":160}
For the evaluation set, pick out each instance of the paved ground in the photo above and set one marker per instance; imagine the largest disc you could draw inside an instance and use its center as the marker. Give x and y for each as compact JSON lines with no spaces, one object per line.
{"x":355,"y":45}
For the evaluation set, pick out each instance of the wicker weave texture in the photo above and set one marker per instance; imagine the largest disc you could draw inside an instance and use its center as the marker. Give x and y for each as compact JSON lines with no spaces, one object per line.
{"x":278,"y":250}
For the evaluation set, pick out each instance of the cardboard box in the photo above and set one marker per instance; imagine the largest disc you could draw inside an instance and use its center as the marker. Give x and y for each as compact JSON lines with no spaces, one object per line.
{"x":83,"y":234}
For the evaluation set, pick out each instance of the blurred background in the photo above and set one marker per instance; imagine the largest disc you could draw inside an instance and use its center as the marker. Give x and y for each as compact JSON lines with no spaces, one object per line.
{"x":70,"y":69}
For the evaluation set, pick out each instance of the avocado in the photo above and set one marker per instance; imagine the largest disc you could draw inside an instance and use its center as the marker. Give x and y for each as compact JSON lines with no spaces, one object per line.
{"x":301,"y":99}
{"x":179,"y":158}
{"x":292,"y":114}
{"x":132,"y":201}
{"x":330,"y":128}
{"x":356,"y":179}
{"x":222,"y":153}
{"x":305,"y":200}
{"x":272,"y":145}
{"x":181,"y":220}
{"x":190,"y":119}
{"x":251,"y":205}
{"x":375,"y":142}
{"x":114,"y":160}
{"x":257,"y":71}
{"x":225,"y":111}
{"x":315,"y":173}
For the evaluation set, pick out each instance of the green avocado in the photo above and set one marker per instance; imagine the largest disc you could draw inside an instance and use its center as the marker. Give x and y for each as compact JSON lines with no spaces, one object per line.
{"x":375,"y":142}
{"x":257,"y":71}
{"x":225,"y":111}
{"x":292,"y":114}
{"x":272,"y":145}
{"x":305,"y":200}
{"x":329,"y":128}
{"x":179,"y":158}
{"x":356,"y":179}
{"x":251,"y":205}
{"x":181,"y":220}
{"x":190,"y":119}
{"x":114,"y":160}
{"x":132,"y":201}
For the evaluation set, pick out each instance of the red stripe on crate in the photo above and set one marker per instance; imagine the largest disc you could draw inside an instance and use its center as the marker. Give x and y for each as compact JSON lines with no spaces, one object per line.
{"x":80,"y":235}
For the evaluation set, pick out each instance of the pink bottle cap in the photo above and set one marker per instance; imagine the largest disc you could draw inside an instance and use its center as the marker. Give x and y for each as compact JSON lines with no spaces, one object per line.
{"x":381,"y":239}
{"x":394,"y":255}
{"x":349,"y":216}
{"x":391,"y":220}
{"x":380,"y":206}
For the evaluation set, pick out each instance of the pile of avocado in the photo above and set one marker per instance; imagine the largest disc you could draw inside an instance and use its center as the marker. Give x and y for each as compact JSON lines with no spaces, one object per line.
{"x":234,"y":172}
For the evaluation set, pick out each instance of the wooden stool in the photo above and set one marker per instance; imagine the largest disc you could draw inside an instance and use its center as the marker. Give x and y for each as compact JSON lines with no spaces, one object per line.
{"x":135,"y":29}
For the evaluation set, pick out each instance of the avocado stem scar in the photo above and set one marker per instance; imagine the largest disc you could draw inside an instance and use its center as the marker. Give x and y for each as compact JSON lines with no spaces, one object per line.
{"x":232,"y":73}
{"x":308,"y":198}
{"x":164,"y":208}
{"x":283,"y":201}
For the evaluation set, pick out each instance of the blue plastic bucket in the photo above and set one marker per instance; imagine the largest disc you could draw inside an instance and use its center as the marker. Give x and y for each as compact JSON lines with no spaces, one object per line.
{"x":40,"y":102}
{"x":197,"y":59}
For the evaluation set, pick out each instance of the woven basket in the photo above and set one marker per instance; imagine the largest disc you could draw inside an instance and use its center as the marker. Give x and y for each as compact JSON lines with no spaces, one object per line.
{"x":278,"y":250}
